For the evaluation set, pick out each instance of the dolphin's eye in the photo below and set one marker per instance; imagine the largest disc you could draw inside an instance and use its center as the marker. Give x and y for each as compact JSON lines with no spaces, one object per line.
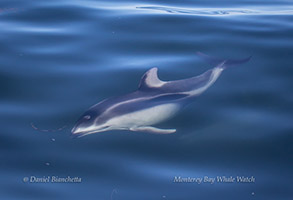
{"x":87,"y":117}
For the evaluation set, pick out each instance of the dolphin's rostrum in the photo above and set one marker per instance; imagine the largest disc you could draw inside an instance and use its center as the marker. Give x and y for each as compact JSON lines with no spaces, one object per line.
{"x":154,"y":101}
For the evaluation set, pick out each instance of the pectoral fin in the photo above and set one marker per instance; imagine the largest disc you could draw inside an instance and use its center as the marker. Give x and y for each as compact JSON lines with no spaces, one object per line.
{"x":150,"y":129}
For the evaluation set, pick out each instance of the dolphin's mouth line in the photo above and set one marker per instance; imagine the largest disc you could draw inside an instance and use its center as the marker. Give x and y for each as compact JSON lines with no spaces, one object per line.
{"x":81,"y":134}
{"x":84,"y":133}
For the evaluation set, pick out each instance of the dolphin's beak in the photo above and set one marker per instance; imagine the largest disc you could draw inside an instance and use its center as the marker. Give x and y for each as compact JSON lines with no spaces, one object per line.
{"x":77,"y":132}
{"x":78,"y":135}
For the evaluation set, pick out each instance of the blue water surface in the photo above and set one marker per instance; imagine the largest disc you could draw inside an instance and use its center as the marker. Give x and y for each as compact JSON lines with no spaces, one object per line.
{"x":58,"y":58}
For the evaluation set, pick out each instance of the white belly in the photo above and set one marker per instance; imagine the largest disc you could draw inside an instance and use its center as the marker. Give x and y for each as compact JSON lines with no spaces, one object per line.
{"x":145,"y":117}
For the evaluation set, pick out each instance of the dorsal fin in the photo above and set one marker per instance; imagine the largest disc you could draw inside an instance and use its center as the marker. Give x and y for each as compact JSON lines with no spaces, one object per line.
{"x":150,"y":79}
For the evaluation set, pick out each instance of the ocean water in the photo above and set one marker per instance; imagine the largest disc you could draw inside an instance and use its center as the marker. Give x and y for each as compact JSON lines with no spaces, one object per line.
{"x":58,"y":58}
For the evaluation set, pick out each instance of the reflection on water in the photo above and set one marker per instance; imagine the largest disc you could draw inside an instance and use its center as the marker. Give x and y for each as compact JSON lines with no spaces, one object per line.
{"x":216,"y":11}
{"x":58,"y":58}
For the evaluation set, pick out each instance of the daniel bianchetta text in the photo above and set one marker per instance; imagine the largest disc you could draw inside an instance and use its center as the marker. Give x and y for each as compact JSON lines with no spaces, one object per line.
{"x":216,"y":179}
{"x":52,"y":179}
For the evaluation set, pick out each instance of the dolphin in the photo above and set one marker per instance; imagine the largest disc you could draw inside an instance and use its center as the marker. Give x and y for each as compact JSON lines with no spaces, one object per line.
{"x":153,"y":102}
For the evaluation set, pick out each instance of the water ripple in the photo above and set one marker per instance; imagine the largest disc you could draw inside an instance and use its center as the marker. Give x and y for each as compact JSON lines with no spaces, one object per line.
{"x":214,"y":11}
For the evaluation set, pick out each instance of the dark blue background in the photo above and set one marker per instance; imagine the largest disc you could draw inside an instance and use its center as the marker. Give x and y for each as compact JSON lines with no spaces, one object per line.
{"x":57,"y":58}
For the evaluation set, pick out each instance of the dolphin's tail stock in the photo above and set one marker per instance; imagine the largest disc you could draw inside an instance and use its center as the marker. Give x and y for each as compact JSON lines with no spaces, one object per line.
{"x":222,"y":63}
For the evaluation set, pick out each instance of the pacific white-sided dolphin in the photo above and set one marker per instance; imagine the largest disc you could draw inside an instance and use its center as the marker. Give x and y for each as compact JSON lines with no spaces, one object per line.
{"x":154,"y":101}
